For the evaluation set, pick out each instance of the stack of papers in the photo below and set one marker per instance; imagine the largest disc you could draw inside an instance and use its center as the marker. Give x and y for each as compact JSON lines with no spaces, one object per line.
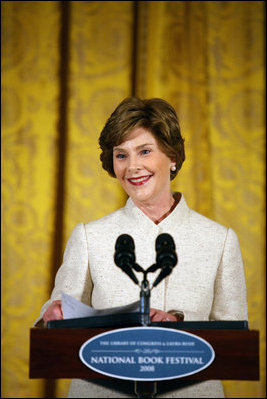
{"x":72,"y":308}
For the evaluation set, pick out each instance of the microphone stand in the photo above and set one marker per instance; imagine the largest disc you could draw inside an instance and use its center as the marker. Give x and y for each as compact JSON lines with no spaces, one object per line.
{"x":145,"y":389}
{"x":125,"y":259}
{"x":145,"y":293}
{"x":145,"y":301}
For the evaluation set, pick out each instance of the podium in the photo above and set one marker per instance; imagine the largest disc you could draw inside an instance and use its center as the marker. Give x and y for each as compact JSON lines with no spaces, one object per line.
{"x":54,"y":352}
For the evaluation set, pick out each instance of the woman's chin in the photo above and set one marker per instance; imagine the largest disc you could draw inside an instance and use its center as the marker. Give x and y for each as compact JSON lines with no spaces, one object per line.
{"x":140,"y":197}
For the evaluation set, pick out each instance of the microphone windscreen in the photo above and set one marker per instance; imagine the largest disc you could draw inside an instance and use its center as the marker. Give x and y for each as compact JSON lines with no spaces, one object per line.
{"x":124,"y":256}
{"x":165,"y":248}
{"x":124,"y":250}
{"x":164,"y":241}
{"x":124,"y":241}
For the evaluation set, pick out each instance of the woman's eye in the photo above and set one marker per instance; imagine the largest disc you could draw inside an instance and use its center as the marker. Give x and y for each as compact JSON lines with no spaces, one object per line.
{"x":120,"y":156}
{"x":145,"y":152}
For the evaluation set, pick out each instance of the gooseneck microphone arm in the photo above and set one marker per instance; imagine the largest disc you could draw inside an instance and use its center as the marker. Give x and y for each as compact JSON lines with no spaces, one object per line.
{"x":166,"y":259}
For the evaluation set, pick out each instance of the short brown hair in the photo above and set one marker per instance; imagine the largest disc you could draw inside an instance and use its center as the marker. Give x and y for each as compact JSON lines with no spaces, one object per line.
{"x":155,"y":115}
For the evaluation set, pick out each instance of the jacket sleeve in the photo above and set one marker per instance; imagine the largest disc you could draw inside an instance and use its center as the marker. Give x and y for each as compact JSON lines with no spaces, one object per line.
{"x":73,"y":276}
{"x":230,"y":297}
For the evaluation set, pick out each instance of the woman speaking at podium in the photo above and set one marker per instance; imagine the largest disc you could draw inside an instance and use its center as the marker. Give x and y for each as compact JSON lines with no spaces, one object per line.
{"x":143,"y":148}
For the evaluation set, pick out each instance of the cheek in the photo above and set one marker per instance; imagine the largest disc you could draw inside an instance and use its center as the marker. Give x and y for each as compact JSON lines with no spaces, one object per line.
{"x":115,"y":166}
{"x":118,"y":170}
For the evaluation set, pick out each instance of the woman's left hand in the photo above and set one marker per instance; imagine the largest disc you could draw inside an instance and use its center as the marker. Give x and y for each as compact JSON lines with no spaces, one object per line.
{"x":159,"y":315}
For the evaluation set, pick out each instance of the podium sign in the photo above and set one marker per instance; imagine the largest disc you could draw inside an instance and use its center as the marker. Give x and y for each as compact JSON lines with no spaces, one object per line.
{"x":147,"y":353}
{"x":54,"y":353}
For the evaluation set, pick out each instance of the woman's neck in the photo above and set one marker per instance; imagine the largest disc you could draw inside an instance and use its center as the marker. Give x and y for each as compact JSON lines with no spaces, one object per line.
{"x":159,"y":210}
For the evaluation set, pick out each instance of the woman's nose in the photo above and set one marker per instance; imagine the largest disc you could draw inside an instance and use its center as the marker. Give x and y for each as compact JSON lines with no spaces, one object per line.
{"x":134,"y":163}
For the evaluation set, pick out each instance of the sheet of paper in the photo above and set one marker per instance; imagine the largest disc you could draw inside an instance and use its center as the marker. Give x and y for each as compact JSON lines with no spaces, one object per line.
{"x":72,"y":308}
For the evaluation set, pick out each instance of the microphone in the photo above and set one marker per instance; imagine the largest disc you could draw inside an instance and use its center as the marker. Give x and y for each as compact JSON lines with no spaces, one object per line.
{"x":124,"y":256}
{"x":166,"y":256}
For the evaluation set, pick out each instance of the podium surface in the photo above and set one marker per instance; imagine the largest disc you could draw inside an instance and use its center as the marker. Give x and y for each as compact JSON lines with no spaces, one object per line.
{"x":54,"y":353}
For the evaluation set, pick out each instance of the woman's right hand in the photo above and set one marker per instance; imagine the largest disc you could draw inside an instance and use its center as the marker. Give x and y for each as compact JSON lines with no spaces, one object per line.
{"x":53,"y":312}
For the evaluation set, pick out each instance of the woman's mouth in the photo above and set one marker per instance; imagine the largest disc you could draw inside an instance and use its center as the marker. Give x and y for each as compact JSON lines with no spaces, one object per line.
{"x":138,"y":181}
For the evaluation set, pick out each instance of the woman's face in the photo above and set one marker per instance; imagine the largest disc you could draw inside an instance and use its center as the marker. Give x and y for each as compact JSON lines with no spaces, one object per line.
{"x":142,"y":168}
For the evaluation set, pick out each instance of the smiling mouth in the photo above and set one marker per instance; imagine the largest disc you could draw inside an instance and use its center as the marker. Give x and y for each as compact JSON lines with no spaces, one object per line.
{"x":138,"y":181}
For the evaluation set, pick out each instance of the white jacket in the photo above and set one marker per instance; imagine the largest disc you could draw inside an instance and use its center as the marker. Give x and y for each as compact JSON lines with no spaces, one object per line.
{"x":207,"y":283}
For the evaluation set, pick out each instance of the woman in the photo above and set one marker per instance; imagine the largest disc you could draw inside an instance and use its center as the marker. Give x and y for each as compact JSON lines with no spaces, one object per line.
{"x":143,"y":148}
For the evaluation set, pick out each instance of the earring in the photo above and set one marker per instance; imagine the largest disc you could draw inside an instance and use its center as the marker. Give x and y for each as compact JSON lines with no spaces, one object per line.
{"x":173,"y":168}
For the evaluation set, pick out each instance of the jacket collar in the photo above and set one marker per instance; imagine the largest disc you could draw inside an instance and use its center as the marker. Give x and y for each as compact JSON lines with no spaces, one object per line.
{"x":177,"y":217}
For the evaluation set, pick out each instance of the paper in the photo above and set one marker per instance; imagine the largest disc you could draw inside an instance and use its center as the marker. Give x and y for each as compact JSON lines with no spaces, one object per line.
{"x":72,"y":308}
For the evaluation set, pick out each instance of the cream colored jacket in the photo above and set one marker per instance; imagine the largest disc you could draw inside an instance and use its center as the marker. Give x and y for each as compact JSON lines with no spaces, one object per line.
{"x":206,"y":284}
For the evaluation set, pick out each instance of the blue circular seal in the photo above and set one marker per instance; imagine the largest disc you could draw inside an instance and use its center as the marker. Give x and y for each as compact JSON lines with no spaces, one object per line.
{"x":147,"y":353}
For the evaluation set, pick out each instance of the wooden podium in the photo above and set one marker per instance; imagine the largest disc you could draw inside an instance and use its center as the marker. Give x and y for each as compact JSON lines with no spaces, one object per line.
{"x":54,"y":352}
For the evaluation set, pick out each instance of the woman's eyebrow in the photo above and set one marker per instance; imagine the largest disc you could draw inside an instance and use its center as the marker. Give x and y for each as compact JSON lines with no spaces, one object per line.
{"x":138,"y":147}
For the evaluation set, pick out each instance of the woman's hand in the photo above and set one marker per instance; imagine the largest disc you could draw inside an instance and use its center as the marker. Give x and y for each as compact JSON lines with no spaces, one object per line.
{"x":53,"y":312}
{"x":159,"y":315}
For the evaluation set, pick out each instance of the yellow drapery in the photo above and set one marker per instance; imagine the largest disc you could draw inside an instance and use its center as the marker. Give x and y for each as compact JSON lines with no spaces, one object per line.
{"x":65,"y":66}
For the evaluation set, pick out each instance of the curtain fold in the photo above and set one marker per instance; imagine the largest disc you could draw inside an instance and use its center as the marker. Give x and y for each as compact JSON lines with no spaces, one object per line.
{"x":58,"y":88}
{"x":30,"y":90}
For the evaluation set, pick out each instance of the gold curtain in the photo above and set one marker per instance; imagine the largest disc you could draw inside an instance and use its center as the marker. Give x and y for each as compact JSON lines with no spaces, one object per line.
{"x":65,"y":66}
